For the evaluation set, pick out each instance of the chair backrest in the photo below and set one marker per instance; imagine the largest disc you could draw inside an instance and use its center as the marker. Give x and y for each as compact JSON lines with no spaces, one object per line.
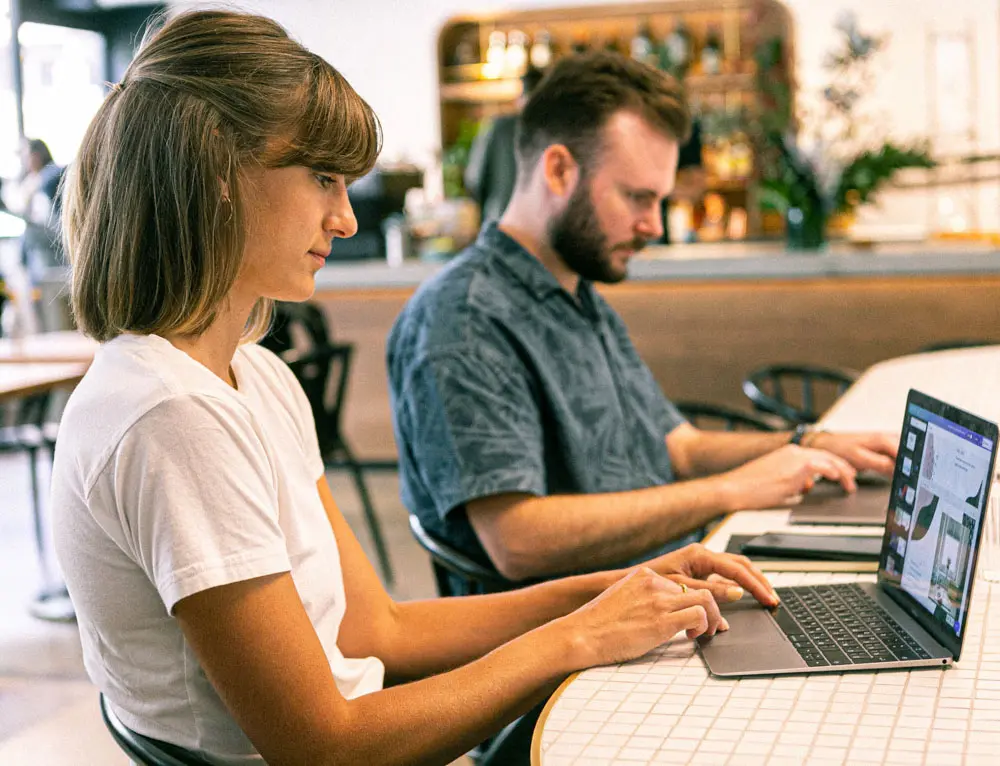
{"x":22,"y":420}
{"x":797,"y":393}
{"x":296,"y":326}
{"x":143,"y":750}
{"x":445,"y":560}
{"x":717,"y":417}
{"x":323,"y":371}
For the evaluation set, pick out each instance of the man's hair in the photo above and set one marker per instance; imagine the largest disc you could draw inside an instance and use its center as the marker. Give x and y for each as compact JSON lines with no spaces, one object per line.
{"x":575,"y":100}
{"x":154,"y":216}
{"x":530,"y":79}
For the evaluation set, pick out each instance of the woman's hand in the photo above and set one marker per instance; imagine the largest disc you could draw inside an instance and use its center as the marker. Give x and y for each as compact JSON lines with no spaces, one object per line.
{"x":724,"y":575}
{"x":636,"y":614}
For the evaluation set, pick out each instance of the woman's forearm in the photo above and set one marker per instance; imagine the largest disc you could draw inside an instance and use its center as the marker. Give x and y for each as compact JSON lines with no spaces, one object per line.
{"x":437,"y":635}
{"x":435,"y":720}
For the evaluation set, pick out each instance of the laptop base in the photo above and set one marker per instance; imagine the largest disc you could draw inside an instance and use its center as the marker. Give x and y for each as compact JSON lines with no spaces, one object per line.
{"x":755,"y":645}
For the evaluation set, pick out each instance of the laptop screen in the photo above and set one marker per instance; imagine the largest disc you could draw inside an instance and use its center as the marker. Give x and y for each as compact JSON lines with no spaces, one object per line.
{"x":937,"y":508}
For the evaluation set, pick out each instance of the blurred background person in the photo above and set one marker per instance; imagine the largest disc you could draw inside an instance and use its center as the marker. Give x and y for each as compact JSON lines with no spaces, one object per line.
{"x":36,"y":198}
{"x":492,"y":170}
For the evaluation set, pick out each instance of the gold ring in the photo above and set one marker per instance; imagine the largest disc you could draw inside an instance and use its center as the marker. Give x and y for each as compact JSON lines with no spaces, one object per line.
{"x":684,"y":588}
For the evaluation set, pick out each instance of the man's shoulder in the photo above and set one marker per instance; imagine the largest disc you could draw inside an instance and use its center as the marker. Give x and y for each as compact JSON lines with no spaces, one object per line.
{"x":469,"y":293}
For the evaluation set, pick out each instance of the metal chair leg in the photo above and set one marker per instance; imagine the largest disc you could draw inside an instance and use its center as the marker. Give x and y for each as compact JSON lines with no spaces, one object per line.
{"x":39,"y":522}
{"x":373,"y":523}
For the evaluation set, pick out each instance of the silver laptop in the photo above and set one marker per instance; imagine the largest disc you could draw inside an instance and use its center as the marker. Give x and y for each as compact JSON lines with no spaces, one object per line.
{"x":828,"y":504}
{"x":916,"y":614}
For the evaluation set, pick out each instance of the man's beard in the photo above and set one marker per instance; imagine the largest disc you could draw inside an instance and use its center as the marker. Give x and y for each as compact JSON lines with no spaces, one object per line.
{"x":577,"y":238}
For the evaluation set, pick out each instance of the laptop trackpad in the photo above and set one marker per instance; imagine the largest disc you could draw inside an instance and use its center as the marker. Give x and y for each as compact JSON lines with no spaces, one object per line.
{"x":753,"y":643}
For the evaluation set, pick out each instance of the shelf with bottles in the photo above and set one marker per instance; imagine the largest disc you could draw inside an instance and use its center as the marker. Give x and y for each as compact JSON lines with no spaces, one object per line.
{"x":711,"y":45}
{"x":697,"y":41}
{"x":475,"y":89}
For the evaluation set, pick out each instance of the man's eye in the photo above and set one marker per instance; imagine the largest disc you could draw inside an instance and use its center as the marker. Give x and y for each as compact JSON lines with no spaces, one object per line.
{"x":326,"y":181}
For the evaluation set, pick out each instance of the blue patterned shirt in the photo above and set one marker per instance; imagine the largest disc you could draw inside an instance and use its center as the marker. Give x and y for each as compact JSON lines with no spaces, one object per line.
{"x":501,"y":381}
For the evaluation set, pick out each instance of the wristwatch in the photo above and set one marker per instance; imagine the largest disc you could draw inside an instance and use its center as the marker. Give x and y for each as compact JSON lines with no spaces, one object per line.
{"x":799,"y":433}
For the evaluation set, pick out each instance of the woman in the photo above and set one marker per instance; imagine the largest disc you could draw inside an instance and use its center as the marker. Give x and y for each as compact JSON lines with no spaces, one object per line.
{"x":224,"y":604}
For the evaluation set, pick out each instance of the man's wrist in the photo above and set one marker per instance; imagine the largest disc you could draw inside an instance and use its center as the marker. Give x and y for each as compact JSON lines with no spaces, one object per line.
{"x":801,"y":432}
{"x":806,"y":435}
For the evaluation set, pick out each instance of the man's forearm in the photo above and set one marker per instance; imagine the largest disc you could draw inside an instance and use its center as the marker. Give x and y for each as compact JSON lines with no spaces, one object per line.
{"x":710,"y":452}
{"x":544,"y":536}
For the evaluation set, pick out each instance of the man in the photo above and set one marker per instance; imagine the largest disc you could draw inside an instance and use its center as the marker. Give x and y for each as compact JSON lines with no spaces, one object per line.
{"x":531,"y":435}
{"x":492,"y":169}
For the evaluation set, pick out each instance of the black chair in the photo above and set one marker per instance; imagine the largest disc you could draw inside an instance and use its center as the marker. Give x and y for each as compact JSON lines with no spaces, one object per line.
{"x":23,"y":430}
{"x":797,"y":393}
{"x":448,"y":562}
{"x":948,"y":345}
{"x":717,"y":417}
{"x":144,"y":751}
{"x":323,"y":372}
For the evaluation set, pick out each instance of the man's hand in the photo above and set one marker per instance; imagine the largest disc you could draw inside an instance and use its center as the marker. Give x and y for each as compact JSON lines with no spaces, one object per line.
{"x":865,"y":452}
{"x":780,"y":478}
{"x":726,"y":576}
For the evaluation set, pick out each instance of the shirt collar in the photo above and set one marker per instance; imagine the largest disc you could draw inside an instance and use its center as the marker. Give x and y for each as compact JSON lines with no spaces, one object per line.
{"x":525,"y":267}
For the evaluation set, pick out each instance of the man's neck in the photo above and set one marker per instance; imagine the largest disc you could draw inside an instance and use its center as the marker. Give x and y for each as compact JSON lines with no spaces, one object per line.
{"x":529,"y":230}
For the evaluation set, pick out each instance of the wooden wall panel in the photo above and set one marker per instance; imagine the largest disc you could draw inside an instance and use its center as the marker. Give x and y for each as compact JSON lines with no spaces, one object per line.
{"x":700,"y":339}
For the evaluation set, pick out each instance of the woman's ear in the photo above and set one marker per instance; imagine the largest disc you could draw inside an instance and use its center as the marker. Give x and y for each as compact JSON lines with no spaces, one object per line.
{"x":560,"y":170}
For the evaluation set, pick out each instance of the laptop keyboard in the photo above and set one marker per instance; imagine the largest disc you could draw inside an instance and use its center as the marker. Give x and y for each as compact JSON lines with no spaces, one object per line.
{"x":841,"y":625}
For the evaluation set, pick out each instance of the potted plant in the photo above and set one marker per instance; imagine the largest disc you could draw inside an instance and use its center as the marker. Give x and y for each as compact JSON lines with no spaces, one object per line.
{"x":840,"y":164}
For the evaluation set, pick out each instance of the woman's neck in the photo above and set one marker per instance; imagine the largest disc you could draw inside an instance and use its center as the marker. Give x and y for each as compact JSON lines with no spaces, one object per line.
{"x":216,"y":347}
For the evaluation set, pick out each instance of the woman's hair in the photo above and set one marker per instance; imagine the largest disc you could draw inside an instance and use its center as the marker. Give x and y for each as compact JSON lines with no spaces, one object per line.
{"x":154,"y":215}
{"x":575,"y":100}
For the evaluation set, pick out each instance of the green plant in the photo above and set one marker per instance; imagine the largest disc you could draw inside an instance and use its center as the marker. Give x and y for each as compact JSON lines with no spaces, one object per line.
{"x":455,"y":157}
{"x":839,"y":164}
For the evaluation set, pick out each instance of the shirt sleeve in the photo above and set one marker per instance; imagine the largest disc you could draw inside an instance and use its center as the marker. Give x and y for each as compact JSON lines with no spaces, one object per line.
{"x":197,"y":497}
{"x":472,"y":427}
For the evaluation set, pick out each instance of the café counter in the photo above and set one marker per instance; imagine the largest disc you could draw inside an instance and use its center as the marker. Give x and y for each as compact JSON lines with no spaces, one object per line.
{"x":703,"y":316}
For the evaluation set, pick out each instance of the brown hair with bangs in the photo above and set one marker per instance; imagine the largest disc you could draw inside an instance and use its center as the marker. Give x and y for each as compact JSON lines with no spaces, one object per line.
{"x":154,"y":211}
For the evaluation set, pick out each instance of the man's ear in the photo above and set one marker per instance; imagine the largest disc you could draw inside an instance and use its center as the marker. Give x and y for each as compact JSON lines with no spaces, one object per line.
{"x":560,"y":170}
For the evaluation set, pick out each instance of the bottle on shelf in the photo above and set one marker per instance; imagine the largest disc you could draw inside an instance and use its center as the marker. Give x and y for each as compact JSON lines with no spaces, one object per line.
{"x":675,"y":53}
{"x":742,"y":155}
{"x":496,"y":55}
{"x":541,"y":50}
{"x":711,"y":53}
{"x":615,"y":44}
{"x":516,"y":54}
{"x":467,"y":50}
{"x":642,"y":47}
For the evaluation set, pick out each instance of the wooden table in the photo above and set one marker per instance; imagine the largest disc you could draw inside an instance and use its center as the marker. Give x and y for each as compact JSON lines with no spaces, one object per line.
{"x":20,"y":379}
{"x":665,"y":708}
{"x":61,"y":346}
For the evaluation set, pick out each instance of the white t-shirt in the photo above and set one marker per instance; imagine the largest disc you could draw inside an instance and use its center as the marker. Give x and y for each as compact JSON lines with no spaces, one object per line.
{"x":167,"y":482}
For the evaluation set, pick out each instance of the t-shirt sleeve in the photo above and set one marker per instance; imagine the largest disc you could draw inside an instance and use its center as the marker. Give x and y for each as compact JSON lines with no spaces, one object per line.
{"x":197,"y":498}
{"x":472,"y":427}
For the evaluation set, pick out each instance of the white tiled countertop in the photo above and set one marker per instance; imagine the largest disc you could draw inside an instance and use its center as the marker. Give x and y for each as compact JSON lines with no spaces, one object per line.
{"x":665,"y":708}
